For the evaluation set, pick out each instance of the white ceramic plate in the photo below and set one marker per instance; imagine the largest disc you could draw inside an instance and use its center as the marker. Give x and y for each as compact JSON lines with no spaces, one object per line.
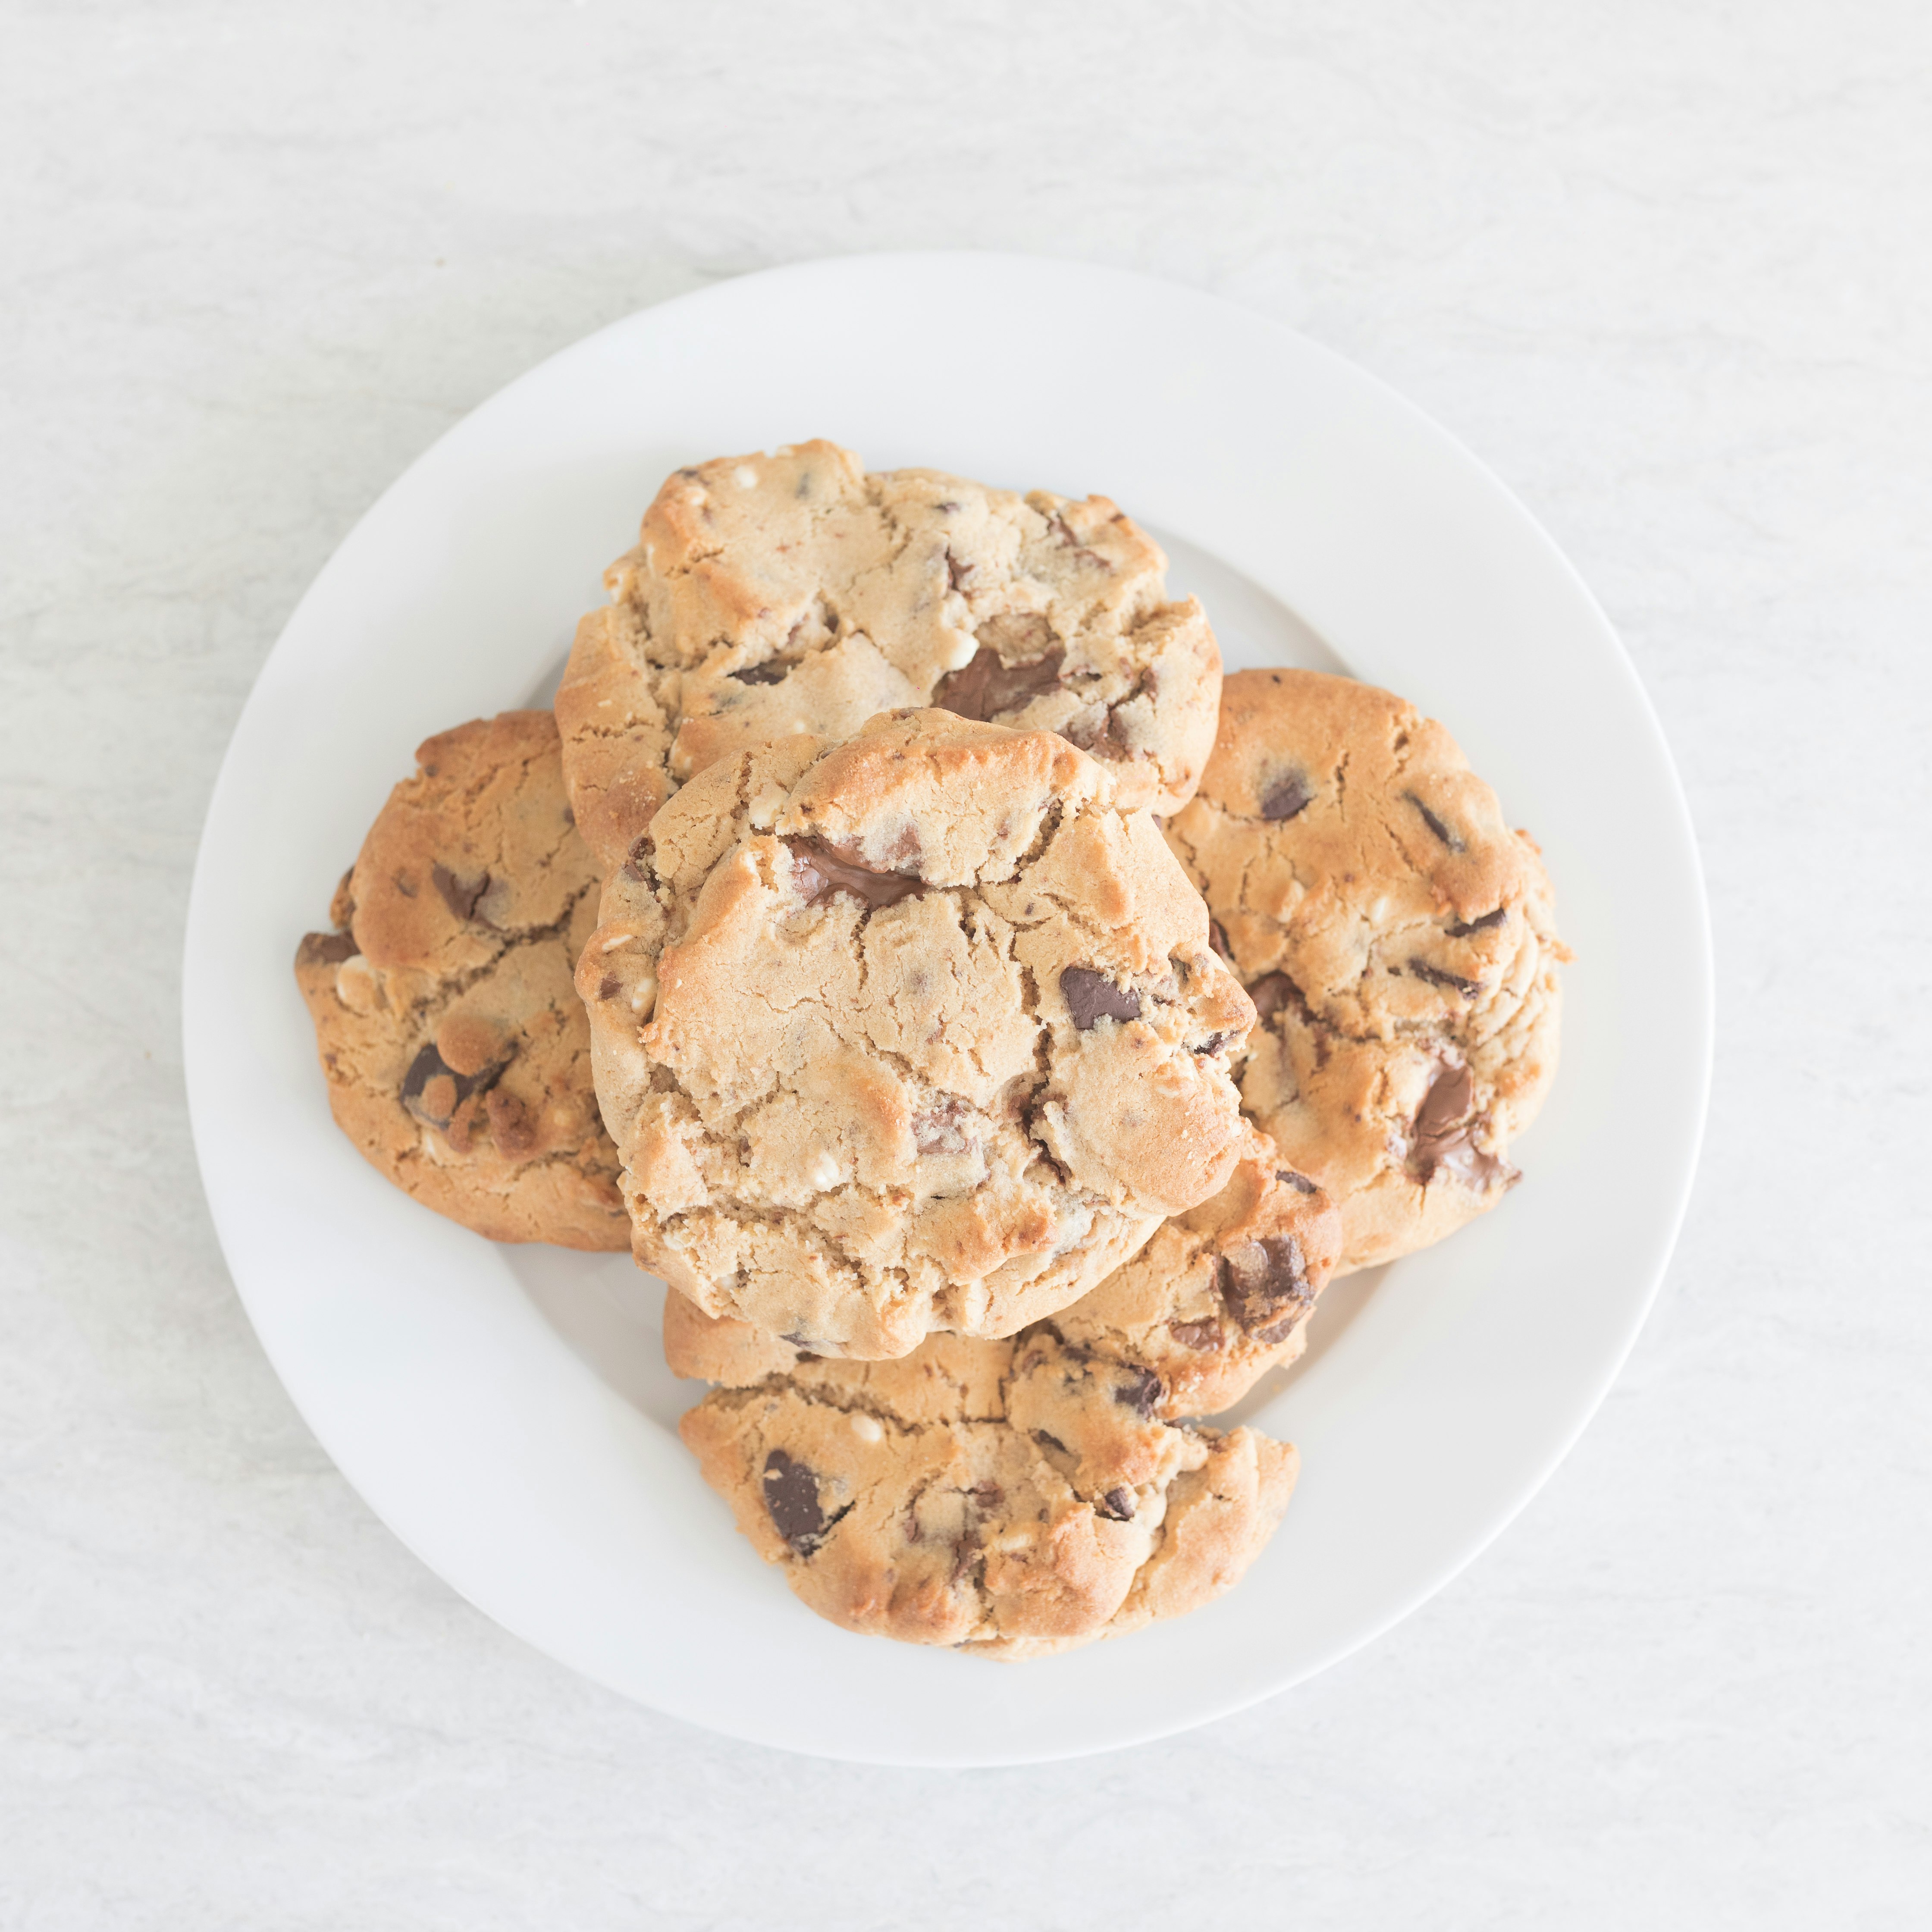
{"x":504,"y":1411}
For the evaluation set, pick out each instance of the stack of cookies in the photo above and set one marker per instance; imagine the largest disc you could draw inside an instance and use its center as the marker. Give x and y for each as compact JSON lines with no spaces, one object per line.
{"x":995,"y":1027}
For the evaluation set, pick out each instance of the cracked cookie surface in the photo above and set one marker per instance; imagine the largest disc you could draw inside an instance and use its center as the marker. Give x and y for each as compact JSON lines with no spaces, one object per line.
{"x":1220,"y":1296}
{"x":456,"y":1049}
{"x":1398,"y":941}
{"x":774,"y":594}
{"x":1007,"y":1498}
{"x":918,"y":1032}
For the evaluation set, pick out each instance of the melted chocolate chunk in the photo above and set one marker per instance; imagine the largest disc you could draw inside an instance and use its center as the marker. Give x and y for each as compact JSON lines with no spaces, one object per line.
{"x":1218,"y":940}
{"x":1261,"y":1282}
{"x":1443,"y":1141}
{"x":791,"y":1497}
{"x":1286,"y":797}
{"x":1271,"y":993}
{"x":460,"y":895}
{"x":820,"y":871}
{"x":1204,"y":1336}
{"x":1300,"y":1183}
{"x":1482,"y":925}
{"x":762,"y":673}
{"x":1436,"y":977}
{"x":1117,"y":1504}
{"x":989,"y":1495}
{"x":1092,"y":997}
{"x":1142,"y":1395}
{"x":326,"y":949}
{"x":427,"y":1096}
{"x":1435,"y":824}
{"x":988,"y":686}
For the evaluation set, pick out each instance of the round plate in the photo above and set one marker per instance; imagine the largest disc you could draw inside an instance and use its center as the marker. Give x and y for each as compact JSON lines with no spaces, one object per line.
{"x":506,"y":1411}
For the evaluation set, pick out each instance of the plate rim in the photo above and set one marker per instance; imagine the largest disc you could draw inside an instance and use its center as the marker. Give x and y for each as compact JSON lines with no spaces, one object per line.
{"x":1698,"y":994}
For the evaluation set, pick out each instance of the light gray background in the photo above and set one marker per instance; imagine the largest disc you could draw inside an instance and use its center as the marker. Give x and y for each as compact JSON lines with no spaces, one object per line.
{"x":1665,"y":266}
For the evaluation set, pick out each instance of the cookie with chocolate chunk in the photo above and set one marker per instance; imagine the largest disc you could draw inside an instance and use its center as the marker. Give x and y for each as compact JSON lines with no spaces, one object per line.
{"x":1223,"y":1293}
{"x":1006,"y":1498}
{"x":1220,"y":1296}
{"x":770,"y":594}
{"x":457,"y":1051}
{"x":1398,"y":940}
{"x":918,"y":1032}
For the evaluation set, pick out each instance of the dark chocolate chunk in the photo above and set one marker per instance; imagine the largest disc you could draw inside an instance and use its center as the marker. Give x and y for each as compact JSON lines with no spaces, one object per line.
{"x":1463,"y":930}
{"x":1286,"y":797}
{"x":1443,"y":1140}
{"x":989,"y":1495}
{"x":791,"y":1496}
{"x":1142,"y":1395}
{"x":609,"y":987}
{"x":1436,"y":977}
{"x":1204,"y":1336}
{"x":638,"y":860}
{"x":988,"y":686}
{"x":957,"y":574}
{"x":1271,"y":993}
{"x":820,"y":871}
{"x":460,"y":895}
{"x":326,"y":949}
{"x":1118,"y":1504}
{"x":1446,"y":1104}
{"x":1262,"y":1282}
{"x":1300,"y":1183}
{"x":425,"y":1093}
{"x":1212,"y":1043}
{"x":1435,"y":824}
{"x":1092,"y":997}
{"x":762,"y":673}
{"x":1218,"y":939}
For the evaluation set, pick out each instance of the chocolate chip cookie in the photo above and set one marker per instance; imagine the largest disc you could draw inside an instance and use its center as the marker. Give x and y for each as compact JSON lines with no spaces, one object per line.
{"x":1398,"y":941}
{"x":918,"y":1032}
{"x":1222,"y":1293}
{"x":1008,"y":1498}
{"x":456,"y":1051}
{"x":770,"y":594}
{"x":1220,"y":1296}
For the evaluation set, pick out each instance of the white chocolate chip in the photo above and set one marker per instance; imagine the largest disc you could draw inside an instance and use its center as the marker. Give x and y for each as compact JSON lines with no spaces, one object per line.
{"x":867,"y":1429}
{"x":643,"y":995}
{"x":746,"y":477}
{"x":824,"y":1173}
{"x":622,"y":939}
{"x":357,"y":986}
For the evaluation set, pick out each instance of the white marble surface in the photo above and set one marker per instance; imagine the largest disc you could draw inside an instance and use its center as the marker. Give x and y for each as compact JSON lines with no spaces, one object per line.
{"x":1667,"y":267}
